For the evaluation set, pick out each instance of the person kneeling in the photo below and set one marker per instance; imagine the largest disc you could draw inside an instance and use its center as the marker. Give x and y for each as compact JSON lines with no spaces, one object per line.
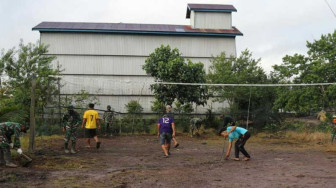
{"x":242,"y":135}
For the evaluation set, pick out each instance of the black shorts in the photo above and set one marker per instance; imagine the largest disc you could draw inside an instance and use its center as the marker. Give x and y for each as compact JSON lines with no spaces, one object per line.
{"x":90,"y":133}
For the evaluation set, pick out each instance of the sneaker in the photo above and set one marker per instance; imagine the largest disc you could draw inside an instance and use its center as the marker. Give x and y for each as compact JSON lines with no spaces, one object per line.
{"x":236,"y":159}
{"x":98,"y":145}
{"x":11,"y":165}
{"x":73,"y":151}
{"x":176,"y":145}
{"x":165,"y":156}
{"x":66,"y":151}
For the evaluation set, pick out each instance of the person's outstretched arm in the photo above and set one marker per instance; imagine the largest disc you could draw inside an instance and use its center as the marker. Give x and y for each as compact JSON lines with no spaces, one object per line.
{"x":229,"y":150}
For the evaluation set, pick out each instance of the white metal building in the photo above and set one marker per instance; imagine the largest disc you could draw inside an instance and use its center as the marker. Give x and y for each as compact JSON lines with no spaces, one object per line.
{"x":106,"y":59}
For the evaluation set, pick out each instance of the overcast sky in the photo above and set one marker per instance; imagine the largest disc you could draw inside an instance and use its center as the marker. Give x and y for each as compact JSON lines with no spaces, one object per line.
{"x":271,"y":28}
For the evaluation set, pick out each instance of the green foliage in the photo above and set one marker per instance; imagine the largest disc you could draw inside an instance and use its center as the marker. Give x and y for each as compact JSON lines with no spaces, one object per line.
{"x":183,"y":108}
{"x":242,"y":70}
{"x":318,"y":66}
{"x":79,"y":100}
{"x":158,"y":107}
{"x":19,"y":67}
{"x":211,"y":121}
{"x":167,"y":65}
{"x":134,"y":116}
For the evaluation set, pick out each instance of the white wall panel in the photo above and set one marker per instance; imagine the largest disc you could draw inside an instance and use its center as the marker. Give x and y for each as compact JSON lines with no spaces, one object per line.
{"x":141,"y":45}
{"x":212,"y":20}
{"x":107,"y":85}
{"x":108,"y":65}
{"x":105,"y":65}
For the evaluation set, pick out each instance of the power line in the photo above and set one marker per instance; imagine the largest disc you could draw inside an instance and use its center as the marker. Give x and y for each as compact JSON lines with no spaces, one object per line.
{"x":330,"y":7}
{"x":245,"y":85}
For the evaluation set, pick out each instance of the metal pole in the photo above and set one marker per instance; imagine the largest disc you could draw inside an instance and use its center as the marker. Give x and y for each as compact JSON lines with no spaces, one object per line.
{"x":248,"y":110}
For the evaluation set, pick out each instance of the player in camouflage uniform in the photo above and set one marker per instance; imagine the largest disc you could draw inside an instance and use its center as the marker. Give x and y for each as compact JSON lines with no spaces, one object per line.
{"x":333,"y":128}
{"x":108,"y":118}
{"x":195,"y":124}
{"x":7,"y":130}
{"x":71,"y":120}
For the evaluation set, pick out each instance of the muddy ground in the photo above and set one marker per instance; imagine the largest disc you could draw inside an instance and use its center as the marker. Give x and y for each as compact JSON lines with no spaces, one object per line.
{"x":136,"y":161}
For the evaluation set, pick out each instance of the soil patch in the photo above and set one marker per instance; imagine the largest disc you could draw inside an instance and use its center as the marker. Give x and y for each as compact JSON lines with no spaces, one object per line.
{"x":137,"y":161}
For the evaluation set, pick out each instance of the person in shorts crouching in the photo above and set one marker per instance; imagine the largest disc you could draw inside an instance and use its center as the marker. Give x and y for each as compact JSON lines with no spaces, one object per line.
{"x":166,"y":127}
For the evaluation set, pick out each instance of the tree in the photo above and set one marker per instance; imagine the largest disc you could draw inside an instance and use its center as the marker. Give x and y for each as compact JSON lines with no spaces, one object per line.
{"x":241,"y":70}
{"x":134,"y":110}
{"x":318,"y":66}
{"x":167,"y":65}
{"x":80,"y":100}
{"x":158,"y":107}
{"x":19,"y":68}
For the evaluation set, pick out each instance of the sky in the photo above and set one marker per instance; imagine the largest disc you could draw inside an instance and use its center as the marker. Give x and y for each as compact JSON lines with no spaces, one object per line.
{"x":271,"y":28}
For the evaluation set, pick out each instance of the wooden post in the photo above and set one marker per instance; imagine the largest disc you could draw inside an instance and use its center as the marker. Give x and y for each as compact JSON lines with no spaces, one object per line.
{"x":32,"y":117}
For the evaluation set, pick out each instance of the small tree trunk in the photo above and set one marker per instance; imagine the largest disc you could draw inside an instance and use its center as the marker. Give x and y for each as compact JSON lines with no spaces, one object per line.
{"x":32,"y":118}
{"x":133,"y":126}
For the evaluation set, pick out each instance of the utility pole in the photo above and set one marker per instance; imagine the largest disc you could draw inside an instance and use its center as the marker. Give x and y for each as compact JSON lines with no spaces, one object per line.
{"x":32,"y":117}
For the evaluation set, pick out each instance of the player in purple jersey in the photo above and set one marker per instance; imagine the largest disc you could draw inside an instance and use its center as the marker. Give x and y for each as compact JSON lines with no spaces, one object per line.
{"x":166,"y":131}
{"x":171,"y":115}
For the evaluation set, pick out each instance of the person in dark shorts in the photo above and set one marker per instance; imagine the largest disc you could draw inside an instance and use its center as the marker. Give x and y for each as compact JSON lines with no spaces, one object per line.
{"x":91,"y":122}
{"x":171,"y":115}
{"x":166,"y":131}
{"x":242,"y":135}
{"x":108,"y":119}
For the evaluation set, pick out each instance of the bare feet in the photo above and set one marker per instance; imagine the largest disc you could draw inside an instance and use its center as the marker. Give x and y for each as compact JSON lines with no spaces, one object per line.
{"x":246,"y":159}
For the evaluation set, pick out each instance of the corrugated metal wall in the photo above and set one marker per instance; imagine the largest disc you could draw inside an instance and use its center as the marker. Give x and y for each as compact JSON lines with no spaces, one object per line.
{"x":212,"y":20}
{"x":107,"y":85}
{"x":110,"y":66}
{"x":134,"y":45}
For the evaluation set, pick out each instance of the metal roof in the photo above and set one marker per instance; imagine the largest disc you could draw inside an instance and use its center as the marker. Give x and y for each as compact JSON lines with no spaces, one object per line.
{"x":209,"y":8}
{"x":126,"y":28}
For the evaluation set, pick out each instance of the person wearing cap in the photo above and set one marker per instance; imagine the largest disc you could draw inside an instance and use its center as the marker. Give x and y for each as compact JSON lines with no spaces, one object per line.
{"x":166,"y":131}
{"x":108,"y":118}
{"x":91,"y":122}
{"x":171,"y":115}
{"x":242,"y":135}
{"x":7,"y":130}
{"x":70,"y":121}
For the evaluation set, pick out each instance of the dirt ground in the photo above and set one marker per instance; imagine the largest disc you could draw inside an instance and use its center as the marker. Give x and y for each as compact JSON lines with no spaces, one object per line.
{"x":136,"y":161}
